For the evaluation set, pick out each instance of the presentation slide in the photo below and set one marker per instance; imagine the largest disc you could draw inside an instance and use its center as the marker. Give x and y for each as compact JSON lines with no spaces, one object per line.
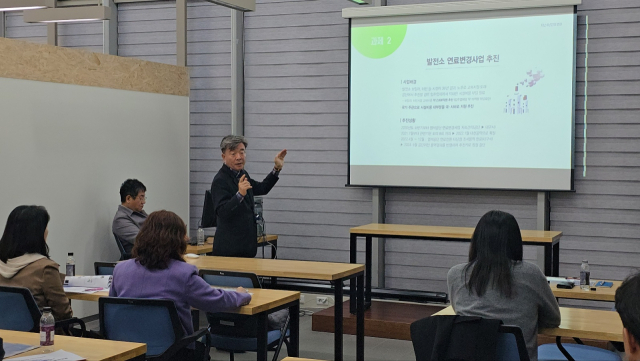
{"x":473,"y":103}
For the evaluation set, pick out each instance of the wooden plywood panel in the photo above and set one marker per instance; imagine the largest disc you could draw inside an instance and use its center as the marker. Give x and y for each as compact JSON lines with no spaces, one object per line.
{"x":40,"y":62}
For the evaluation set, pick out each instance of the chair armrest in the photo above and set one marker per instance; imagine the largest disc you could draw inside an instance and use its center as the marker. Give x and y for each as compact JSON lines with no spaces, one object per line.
{"x":66,"y":324}
{"x":184,"y":342}
{"x":193,"y":337}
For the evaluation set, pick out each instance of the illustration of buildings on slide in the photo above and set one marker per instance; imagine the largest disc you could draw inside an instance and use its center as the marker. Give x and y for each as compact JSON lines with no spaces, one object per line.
{"x":518,"y":102}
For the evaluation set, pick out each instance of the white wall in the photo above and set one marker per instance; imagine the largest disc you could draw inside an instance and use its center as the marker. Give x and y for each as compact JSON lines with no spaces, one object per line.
{"x":69,"y":147}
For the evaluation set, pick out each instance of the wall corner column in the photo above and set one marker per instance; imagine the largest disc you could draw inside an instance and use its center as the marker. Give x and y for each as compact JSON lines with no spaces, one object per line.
{"x":181,"y":32}
{"x":237,"y":72}
{"x":3,"y":27}
{"x":110,"y":30}
{"x":52,"y":32}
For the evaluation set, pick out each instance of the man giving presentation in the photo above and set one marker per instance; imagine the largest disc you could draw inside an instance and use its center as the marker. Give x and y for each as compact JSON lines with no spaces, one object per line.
{"x":233,"y":191}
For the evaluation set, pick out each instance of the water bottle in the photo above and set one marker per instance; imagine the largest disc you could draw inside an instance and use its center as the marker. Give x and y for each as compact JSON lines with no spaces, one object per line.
{"x":47,"y":329}
{"x":585,"y":276}
{"x":71,"y":265}
{"x":200,"y":237}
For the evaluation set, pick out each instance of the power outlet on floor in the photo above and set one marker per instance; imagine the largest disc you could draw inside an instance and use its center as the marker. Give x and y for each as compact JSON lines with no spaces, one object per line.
{"x":322,"y":300}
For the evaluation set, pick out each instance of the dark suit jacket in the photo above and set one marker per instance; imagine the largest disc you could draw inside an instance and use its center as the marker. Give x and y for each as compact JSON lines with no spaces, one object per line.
{"x":443,"y":338}
{"x":236,"y":234}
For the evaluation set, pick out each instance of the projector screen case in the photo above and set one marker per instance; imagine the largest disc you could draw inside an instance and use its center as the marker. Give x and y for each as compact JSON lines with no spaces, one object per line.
{"x":453,"y":7}
{"x":519,"y":171}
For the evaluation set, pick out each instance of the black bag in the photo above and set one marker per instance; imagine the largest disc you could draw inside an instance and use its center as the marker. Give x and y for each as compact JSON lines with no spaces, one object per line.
{"x":208,"y":218}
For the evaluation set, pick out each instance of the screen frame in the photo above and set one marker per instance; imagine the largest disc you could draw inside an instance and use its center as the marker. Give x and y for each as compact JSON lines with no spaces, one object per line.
{"x":573,"y":126}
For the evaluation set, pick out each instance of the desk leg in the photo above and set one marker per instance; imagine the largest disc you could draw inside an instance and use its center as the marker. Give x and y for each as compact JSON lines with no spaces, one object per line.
{"x":195,"y":319}
{"x":142,"y":357}
{"x":360,"y":320}
{"x":556,"y":259}
{"x":294,"y":329}
{"x":274,"y":254}
{"x":368,"y":263}
{"x":353,"y":251}
{"x":262,"y":337}
{"x":548,"y":254}
{"x":337,"y":324}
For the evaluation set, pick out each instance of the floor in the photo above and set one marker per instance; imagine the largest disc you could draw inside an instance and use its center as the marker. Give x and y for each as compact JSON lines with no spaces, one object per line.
{"x":319,"y":345}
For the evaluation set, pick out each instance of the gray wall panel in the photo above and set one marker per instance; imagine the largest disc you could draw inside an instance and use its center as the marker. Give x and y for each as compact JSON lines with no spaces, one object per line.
{"x":600,"y":220}
{"x":209,"y":58}
{"x":16,"y":28}
{"x":85,"y":36}
{"x":296,"y":69}
{"x":296,"y":92}
{"x":148,"y":31}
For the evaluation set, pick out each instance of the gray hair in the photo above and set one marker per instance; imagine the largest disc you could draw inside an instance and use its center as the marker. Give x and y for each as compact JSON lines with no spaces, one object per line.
{"x":231,"y":142}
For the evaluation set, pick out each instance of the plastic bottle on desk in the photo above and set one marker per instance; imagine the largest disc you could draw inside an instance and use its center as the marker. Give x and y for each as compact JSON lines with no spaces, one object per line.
{"x":585,"y":276}
{"x":71,"y":265}
{"x":200,"y":237}
{"x":47,"y":330}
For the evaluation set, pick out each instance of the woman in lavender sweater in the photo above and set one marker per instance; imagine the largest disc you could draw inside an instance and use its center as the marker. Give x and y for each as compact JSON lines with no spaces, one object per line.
{"x":157,"y":270}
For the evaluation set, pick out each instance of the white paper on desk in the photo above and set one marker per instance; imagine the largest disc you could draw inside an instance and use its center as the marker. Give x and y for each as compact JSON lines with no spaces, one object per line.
{"x":59,"y":355}
{"x":87,"y":290}
{"x":88,"y":281}
{"x":12,"y":349}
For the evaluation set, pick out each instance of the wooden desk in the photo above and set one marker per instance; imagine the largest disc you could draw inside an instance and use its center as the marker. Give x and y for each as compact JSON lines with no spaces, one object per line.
{"x":600,"y":294}
{"x":579,"y":322}
{"x":91,"y":349}
{"x":323,"y":271}
{"x":262,"y":242}
{"x":263,"y":302}
{"x":550,"y":240}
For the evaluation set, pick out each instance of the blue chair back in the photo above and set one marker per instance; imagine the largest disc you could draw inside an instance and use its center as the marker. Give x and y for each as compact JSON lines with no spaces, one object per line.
{"x":225,"y":324}
{"x":104,"y":268}
{"x":124,"y":255}
{"x":18,"y":310}
{"x":151,"y":321}
{"x":230,"y":279}
{"x":511,"y":345}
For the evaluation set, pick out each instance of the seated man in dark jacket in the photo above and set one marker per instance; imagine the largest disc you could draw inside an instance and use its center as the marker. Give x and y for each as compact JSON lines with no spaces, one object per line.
{"x":233,"y":191}
{"x":130,"y":216}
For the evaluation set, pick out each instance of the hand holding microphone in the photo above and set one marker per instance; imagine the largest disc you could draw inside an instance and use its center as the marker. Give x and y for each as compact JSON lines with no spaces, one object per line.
{"x":244,"y":185}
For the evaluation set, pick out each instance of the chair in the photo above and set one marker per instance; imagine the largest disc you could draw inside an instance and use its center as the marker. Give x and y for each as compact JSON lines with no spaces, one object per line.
{"x":104,"y":268}
{"x":237,"y":333}
{"x":151,"y":321}
{"x":574,"y":352}
{"x":510,"y":344}
{"x":19,"y":312}
{"x":124,"y":255}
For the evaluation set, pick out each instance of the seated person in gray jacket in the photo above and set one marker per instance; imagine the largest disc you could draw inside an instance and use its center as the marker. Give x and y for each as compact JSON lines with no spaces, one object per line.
{"x":497,"y":284}
{"x":130,"y":216}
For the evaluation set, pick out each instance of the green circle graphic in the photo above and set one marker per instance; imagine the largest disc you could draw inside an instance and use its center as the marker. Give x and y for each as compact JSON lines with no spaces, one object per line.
{"x":377,"y":42}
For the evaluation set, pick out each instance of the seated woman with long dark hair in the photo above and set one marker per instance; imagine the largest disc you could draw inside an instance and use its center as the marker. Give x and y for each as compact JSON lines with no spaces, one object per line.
{"x":157,"y":270}
{"x":25,"y":262}
{"x":496,"y":283}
